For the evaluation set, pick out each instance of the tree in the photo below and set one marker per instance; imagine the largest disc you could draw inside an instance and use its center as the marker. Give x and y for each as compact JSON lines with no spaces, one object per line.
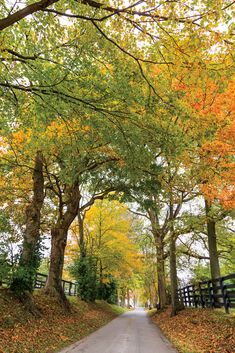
{"x":24,"y":276}
{"x":110,"y":252}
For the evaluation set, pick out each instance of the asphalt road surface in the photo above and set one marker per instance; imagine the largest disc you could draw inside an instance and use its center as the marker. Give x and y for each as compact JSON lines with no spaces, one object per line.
{"x":131,"y":332}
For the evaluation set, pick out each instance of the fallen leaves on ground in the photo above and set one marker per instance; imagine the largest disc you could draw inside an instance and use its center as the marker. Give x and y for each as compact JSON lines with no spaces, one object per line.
{"x":198,"y":330}
{"x":20,"y":332}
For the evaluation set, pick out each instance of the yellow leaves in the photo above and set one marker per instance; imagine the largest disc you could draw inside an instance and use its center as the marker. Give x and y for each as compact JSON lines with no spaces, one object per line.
{"x":155,"y":71}
{"x":108,"y":226}
{"x":21,"y":137}
{"x":64,"y":338}
{"x":109,"y":151}
{"x":121,"y":163}
{"x":86,"y":128}
{"x":55,"y":129}
{"x":65,"y":131}
{"x":108,"y":68}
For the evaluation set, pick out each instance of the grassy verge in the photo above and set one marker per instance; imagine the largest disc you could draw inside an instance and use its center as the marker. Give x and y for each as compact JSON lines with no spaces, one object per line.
{"x":20,"y":332}
{"x":199,"y":330}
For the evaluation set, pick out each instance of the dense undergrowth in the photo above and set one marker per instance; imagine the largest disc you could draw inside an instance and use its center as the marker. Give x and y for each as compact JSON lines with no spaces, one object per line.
{"x":20,"y":332}
{"x":198,"y":330}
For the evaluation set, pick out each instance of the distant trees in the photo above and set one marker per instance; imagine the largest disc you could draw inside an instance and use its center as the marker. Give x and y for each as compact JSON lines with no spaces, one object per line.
{"x":110,"y":255}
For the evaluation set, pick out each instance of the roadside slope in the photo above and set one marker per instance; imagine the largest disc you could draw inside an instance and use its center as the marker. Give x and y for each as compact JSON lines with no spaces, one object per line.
{"x":20,"y":332}
{"x":199,"y":330}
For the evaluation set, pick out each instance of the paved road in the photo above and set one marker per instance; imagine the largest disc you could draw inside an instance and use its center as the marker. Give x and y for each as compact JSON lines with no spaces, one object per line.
{"x":131,"y":332}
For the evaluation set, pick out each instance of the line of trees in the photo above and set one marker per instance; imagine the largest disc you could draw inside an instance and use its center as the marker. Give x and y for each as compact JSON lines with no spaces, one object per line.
{"x":90,"y":108}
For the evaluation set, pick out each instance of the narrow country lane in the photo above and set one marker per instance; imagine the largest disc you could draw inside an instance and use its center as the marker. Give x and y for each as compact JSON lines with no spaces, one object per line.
{"x":132,"y":332}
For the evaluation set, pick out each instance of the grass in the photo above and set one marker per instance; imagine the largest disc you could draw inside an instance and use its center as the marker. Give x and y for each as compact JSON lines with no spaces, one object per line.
{"x":20,"y":332}
{"x":199,"y":330}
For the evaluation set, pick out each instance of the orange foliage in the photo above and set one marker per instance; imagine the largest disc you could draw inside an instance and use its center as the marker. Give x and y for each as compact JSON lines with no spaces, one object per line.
{"x":219,"y":155}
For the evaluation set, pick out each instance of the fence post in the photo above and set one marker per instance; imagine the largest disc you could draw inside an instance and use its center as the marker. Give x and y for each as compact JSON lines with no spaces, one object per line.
{"x":201,"y":296}
{"x":209,"y":293}
{"x":184,"y":295}
{"x":194,"y":296}
{"x":188,"y":293}
{"x":224,"y":295}
{"x":75,"y":289}
{"x":211,"y":296}
{"x":70,"y":287}
{"x":63,"y":284}
{"x":181,"y":296}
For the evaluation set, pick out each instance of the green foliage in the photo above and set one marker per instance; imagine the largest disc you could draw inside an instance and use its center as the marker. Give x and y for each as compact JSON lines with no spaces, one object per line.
{"x":24,"y":274}
{"x":5,"y":265}
{"x":107,"y":289}
{"x":84,"y":271}
{"x":23,"y":280}
{"x":201,"y":272}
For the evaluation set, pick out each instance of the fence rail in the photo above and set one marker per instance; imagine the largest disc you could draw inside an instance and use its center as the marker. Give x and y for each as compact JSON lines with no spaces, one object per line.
{"x":69,"y":288}
{"x":216,"y":293}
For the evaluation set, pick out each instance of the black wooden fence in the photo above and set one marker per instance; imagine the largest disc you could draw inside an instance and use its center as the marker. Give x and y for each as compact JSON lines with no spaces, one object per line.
{"x":216,"y":293}
{"x":70,"y":288}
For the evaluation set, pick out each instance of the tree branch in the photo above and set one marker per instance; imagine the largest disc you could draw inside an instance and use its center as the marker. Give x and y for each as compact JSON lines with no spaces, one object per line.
{"x":28,"y":10}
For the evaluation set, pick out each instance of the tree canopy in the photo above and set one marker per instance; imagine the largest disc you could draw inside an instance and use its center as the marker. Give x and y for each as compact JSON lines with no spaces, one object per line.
{"x":130,"y":108}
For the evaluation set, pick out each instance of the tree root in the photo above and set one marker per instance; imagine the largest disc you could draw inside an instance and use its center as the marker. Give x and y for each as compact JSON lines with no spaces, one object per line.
{"x":59,"y":295}
{"x":29,"y":304}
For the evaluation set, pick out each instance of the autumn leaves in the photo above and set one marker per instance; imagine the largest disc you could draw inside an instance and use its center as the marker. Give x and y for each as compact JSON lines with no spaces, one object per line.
{"x":150,"y":123}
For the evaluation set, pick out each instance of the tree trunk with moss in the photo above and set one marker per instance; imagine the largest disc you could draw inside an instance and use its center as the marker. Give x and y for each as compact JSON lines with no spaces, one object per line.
{"x":24,"y":278}
{"x":59,"y":234}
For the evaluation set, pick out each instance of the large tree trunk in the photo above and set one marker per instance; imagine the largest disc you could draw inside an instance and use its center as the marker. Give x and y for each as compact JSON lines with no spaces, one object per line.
{"x":82,"y":245}
{"x":58,"y":244}
{"x":158,"y":238}
{"x":212,"y":243}
{"x":161,"y":272}
{"x":23,"y":281}
{"x":176,"y":306}
{"x":59,"y":234}
{"x":175,"y":302}
{"x":213,"y":252}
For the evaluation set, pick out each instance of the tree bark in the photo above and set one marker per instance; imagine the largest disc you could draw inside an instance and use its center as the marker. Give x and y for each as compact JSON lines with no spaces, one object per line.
{"x":158,"y":238}
{"x":23,"y":281}
{"x":161,"y":273}
{"x":212,"y":243}
{"x":176,"y":305}
{"x":58,"y":243}
{"x":59,"y":234}
{"x":29,"y":257}
{"x":81,"y":235}
{"x":26,"y":11}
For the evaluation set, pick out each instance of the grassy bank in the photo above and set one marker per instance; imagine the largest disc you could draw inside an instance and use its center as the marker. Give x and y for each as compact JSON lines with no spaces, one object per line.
{"x":199,"y":330}
{"x":20,"y":332}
